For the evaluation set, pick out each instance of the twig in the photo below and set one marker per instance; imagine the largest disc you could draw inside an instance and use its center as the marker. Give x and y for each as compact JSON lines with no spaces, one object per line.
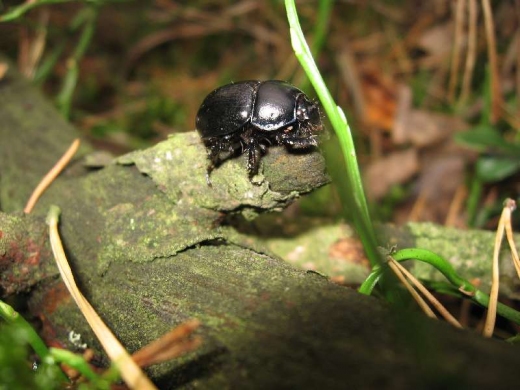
{"x":171,"y":345}
{"x":129,"y":370}
{"x":51,"y":175}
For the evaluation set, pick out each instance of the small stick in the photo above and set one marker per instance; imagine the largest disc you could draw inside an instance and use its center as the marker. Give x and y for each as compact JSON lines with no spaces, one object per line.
{"x":175,"y":343}
{"x":51,"y":175}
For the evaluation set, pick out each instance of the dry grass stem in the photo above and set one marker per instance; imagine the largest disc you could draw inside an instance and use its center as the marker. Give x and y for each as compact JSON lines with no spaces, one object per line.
{"x":517,"y":79}
{"x":471,"y":54}
{"x":489,"y":324}
{"x":420,"y":301}
{"x":510,"y":239}
{"x":418,"y":206}
{"x":350,"y":74}
{"x":51,"y":175}
{"x":428,"y":295}
{"x":32,"y":46}
{"x":129,"y":370}
{"x":496,"y":95}
{"x":456,"y":205}
{"x":457,"y":48}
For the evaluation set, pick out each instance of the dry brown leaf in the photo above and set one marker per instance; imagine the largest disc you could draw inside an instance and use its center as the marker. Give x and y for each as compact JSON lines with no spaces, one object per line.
{"x":440,"y":178}
{"x":380,"y":100}
{"x":437,"y":41}
{"x":397,"y":168}
{"x":420,"y":127}
{"x":426,"y":128}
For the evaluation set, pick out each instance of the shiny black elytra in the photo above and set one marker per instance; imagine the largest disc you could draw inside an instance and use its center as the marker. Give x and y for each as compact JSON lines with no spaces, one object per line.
{"x":249,"y":116}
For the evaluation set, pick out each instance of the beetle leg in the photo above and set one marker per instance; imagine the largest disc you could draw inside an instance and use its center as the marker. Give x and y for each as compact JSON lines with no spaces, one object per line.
{"x":253,"y":150}
{"x":219,"y":150}
{"x":208,"y":180}
{"x":280,"y":138}
{"x":262,"y":148}
{"x":300,"y":143}
{"x":214,"y":161}
{"x":215,"y":147}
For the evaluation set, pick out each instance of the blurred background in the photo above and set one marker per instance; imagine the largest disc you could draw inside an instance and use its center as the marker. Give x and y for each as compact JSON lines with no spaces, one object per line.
{"x":430,"y":89}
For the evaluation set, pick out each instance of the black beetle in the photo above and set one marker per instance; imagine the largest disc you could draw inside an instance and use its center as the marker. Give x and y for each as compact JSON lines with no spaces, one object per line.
{"x":249,"y":116}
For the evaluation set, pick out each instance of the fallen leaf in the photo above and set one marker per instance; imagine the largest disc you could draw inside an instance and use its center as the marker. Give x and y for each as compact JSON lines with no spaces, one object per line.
{"x":396,"y":168}
{"x":422,"y":128}
{"x":380,"y":99}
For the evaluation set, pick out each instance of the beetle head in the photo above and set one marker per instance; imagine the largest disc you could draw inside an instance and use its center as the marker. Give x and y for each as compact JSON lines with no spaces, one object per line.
{"x":308,"y":113}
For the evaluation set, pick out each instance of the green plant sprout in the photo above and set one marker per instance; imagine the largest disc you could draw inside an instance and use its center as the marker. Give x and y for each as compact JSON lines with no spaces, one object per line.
{"x":357,"y":203}
{"x":85,"y":21}
{"x":18,"y":11}
{"x":463,"y":286}
{"x":498,"y":159}
{"x":86,"y":18}
{"x":49,"y":369}
{"x":101,"y":382}
{"x":319,"y":33}
{"x":14,"y":318}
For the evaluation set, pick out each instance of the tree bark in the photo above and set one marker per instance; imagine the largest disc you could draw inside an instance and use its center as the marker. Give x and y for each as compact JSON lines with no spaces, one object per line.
{"x":150,"y":246}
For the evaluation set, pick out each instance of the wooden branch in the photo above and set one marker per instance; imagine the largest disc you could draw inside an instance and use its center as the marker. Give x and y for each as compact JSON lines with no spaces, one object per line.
{"x":148,"y":247}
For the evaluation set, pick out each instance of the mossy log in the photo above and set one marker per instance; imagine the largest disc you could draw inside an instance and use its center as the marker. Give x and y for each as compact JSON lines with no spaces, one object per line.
{"x":148,"y":243}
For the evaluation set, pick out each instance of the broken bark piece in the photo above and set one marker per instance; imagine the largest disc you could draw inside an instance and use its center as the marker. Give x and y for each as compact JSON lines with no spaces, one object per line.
{"x":178,"y":167}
